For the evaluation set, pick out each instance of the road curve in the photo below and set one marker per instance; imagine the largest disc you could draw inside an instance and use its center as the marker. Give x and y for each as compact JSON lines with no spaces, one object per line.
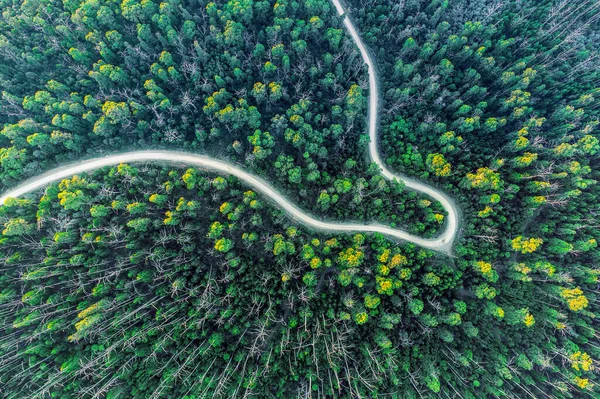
{"x":205,"y":162}
{"x":451,"y":226}
{"x":442,"y":243}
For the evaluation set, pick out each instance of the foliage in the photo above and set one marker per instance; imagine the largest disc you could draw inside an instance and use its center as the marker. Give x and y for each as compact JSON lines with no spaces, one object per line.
{"x":146,"y":282}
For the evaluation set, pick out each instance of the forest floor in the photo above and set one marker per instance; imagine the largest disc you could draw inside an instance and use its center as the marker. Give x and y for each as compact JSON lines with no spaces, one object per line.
{"x":442,"y":243}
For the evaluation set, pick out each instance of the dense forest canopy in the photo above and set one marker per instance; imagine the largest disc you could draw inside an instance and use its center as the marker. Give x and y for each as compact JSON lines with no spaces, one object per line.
{"x":238,"y":81}
{"x":160,"y":281}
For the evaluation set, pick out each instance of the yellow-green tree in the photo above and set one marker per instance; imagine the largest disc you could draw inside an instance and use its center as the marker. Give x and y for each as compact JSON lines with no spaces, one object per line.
{"x":526,"y":245}
{"x":438,"y":164}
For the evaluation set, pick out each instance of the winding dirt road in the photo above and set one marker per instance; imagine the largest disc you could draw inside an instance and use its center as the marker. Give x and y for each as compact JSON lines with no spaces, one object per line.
{"x":442,"y":243}
{"x":447,"y":237}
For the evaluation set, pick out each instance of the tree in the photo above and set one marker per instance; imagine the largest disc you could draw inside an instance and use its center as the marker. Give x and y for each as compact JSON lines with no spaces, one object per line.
{"x":526,"y":245}
{"x":223,"y":245}
{"x":17,"y":227}
{"x":485,"y":179}
{"x":355,"y":102}
{"x":371,"y":301}
{"x":437,"y":164}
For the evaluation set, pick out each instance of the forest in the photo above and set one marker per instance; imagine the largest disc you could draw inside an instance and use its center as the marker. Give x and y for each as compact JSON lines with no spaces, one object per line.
{"x":156,"y":280}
